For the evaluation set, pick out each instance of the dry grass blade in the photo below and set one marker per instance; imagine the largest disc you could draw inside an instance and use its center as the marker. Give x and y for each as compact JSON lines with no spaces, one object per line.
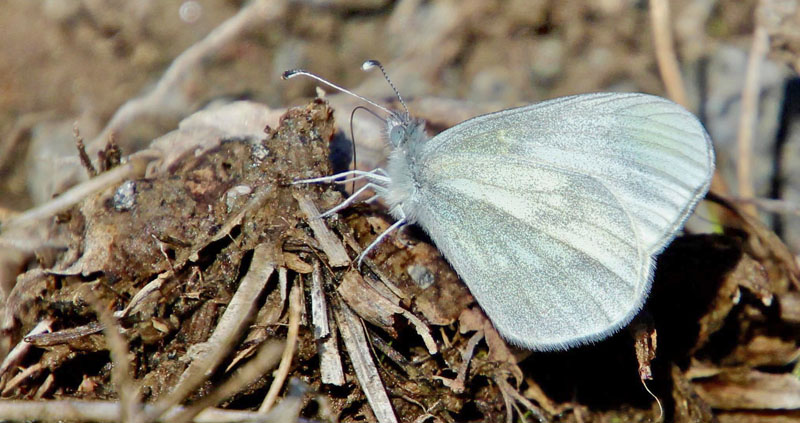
{"x":256,"y":13}
{"x":355,"y":340}
{"x":19,"y":351}
{"x":152,"y":288}
{"x":28,"y":373}
{"x":81,"y":191}
{"x":267,"y":357}
{"x":749,"y":112}
{"x":330,"y":363}
{"x":512,"y":395}
{"x":240,"y":309}
{"x":128,"y":389}
{"x":108,"y":411}
{"x":665,"y":52}
{"x":65,"y":335}
{"x":288,"y":351}
{"x":319,"y":307}
{"x":457,"y":384}
{"x":328,"y":242}
{"x":331,"y":371}
{"x":256,"y":201}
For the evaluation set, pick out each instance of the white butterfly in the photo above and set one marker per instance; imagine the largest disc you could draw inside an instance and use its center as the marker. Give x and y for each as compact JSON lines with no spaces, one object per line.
{"x":552,"y":213}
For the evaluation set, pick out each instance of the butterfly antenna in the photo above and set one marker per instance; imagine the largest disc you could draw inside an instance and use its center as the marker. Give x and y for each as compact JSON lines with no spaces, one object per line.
{"x":369,"y":64}
{"x":289,"y":74}
{"x":353,"y":135}
{"x":353,"y":143}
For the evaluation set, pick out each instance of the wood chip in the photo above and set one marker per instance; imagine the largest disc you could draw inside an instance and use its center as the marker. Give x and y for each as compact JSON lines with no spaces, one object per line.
{"x":751,"y":390}
{"x":329,"y":243}
{"x":240,"y":310}
{"x":355,"y":340}
{"x":319,"y":307}
{"x":373,"y":307}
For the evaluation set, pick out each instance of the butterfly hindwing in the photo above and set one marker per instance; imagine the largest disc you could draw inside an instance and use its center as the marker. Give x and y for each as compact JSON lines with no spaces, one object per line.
{"x":553,"y":213}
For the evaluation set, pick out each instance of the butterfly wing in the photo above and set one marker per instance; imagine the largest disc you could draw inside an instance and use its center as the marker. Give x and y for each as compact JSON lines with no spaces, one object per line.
{"x":553,"y":213}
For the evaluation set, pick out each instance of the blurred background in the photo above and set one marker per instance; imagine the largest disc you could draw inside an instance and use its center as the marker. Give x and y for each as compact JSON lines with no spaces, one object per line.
{"x":132,"y":70}
{"x":68,"y":61}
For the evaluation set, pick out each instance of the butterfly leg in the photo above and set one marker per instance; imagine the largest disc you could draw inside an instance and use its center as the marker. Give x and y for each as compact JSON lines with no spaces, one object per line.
{"x":352,"y":198}
{"x":380,"y":238}
{"x":376,"y":175}
{"x":378,"y":179}
{"x":372,"y":199}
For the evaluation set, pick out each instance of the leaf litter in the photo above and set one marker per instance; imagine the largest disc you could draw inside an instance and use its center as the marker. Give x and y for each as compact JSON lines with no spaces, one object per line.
{"x":198,"y":259}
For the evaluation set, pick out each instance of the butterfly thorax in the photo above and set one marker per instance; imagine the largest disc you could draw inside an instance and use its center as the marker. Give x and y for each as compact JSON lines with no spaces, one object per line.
{"x":407,"y":138}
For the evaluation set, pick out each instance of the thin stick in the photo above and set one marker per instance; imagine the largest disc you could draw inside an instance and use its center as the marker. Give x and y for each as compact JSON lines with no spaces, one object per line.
{"x":257,"y":13}
{"x":749,"y":113}
{"x":136,"y":166}
{"x":355,"y":340}
{"x":288,"y":351}
{"x":210,"y":353}
{"x":107,"y":411}
{"x":29,"y":373}
{"x":665,"y":52}
{"x":85,"y":160}
{"x":265,"y":359}
{"x":127,"y":388}
{"x":16,"y":355}
{"x":772,"y":205}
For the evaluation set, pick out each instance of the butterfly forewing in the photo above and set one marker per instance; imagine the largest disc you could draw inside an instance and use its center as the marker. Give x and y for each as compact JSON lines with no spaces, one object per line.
{"x":651,"y":153}
{"x":552,"y":213}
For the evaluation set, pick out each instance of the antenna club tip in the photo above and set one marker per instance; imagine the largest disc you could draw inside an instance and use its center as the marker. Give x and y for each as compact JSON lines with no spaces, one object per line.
{"x":369,"y":64}
{"x":290,"y":73}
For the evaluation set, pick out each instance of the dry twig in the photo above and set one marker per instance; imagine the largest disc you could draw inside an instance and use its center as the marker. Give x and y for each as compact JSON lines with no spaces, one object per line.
{"x":266,"y":358}
{"x":259,"y":12}
{"x":330,"y":363}
{"x":136,"y":166}
{"x":749,"y":112}
{"x":665,"y":52}
{"x":355,"y":340}
{"x":288,"y":351}
{"x":126,"y":387}
{"x":239,"y":311}
{"x":18,"y":352}
{"x":328,"y":242}
{"x":108,"y":411}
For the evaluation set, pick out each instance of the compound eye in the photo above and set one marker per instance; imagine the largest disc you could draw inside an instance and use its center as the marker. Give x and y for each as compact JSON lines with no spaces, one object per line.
{"x":397,"y":135}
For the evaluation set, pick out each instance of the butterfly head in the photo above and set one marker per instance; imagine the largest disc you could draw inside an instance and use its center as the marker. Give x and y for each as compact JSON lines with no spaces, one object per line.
{"x":403,"y":131}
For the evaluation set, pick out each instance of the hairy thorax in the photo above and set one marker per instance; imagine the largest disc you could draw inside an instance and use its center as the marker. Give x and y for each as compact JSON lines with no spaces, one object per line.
{"x":402,"y":195}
